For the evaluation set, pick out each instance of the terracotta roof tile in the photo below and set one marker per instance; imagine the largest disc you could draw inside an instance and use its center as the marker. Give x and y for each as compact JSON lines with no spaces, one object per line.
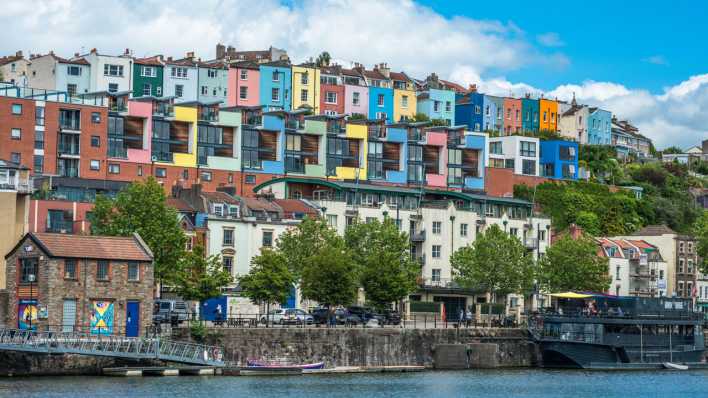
{"x":400,"y":76}
{"x":154,"y":61}
{"x":294,"y":206}
{"x":258,"y":204}
{"x":96,"y":247}
{"x":220,"y":197}
{"x":180,"y":205}
{"x":7,"y":60}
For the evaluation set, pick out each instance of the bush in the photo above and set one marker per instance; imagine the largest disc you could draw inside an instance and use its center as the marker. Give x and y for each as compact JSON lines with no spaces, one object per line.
{"x":197,"y":331}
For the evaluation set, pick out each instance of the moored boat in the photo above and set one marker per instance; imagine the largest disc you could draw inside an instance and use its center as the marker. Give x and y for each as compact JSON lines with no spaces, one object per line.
{"x":281,"y":364}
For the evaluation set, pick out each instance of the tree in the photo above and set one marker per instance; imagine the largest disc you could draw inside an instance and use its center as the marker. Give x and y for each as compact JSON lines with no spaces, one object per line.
{"x":496,"y":262}
{"x":199,"y":277}
{"x":700,"y":230}
{"x":672,"y":150}
{"x":269,"y":280}
{"x":421,"y":117}
{"x":141,"y":208}
{"x":573,"y":264}
{"x":323,"y":59}
{"x":329,"y":276}
{"x":307,"y":239}
{"x":382,"y":255}
{"x":357,"y":116}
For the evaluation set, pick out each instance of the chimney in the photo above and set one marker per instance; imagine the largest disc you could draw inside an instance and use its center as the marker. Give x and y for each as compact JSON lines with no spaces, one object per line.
{"x":231,"y":51}
{"x":220,"y":51}
{"x":76,"y":55}
{"x":169,"y":59}
{"x":473,"y":88}
{"x":51,"y":52}
{"x":383,"y":69}
{"x":190,"y":55}
{"x":18,"y":54}
{"x":94,"y":51}
{"x":127,"y":51}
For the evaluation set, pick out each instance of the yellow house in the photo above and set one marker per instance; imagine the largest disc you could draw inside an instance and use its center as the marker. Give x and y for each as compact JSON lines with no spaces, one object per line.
{"x":306,"y":87}
{"x":186,"y":131}
{"x":359,"y":132}
{"x":404,"y":98}
{"x":548,"y":115}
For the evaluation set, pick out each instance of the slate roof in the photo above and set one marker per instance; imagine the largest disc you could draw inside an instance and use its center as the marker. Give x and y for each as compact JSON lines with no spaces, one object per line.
{"x":220,"y":197}
{"x":291,"y":207}
{"x":129,"y":248}
{"x":654,"y":230}
{"x":180,"y":205}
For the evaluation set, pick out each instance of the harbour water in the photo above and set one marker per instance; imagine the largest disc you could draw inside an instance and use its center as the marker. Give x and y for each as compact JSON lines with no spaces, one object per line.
{"x":474,"y":383}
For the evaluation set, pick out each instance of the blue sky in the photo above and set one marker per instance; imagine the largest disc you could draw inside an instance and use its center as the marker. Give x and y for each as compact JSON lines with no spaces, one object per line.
{"x":647,"y":44}
{"x":644,"y":61}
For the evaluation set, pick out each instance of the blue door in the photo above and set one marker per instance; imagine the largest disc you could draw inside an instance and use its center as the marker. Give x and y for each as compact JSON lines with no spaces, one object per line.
{"x":214,"y":309}
{"x":132,"y":319}
{"x":290,"y":301}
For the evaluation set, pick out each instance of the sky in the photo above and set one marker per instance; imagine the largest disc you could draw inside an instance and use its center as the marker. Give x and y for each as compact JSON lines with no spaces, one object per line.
{"x":644,"y":61}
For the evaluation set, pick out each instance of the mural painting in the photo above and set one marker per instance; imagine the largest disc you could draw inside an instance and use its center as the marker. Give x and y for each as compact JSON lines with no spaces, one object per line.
{"x":102,"y":317}
{"x":27,"y":314}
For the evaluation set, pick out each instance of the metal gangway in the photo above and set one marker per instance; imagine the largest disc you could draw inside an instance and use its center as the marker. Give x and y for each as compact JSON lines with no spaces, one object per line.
{"x":110,"y":346}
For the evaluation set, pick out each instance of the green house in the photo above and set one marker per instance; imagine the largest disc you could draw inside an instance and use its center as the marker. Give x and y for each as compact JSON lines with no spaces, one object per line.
{"x":147,"y":77}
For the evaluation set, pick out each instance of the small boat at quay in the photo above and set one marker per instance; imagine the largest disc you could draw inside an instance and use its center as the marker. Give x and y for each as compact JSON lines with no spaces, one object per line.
{"x":599,"y":331}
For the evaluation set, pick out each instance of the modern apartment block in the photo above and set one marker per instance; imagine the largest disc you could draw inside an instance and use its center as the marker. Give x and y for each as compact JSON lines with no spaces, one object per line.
{"x":518,"y":153}
{"x":559,"y":159}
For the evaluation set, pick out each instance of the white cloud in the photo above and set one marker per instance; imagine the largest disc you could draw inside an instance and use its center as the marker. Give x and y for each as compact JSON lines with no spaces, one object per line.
{"x":406,"y":35}
{"x":656,"y":60}
{"x":550,"y":39}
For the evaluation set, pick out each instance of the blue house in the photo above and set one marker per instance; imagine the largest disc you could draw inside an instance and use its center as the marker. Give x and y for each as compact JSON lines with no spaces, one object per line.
{"x":559,"y":159}
{"x":529,"y":114}
{"x":262,"y":147}
{"x":437,"y":104}
{"x":599,"y":127}
{"x":381,"y":103}
{"x":493,"y":111}
{"x":275,"y":86}
{"x":468,"y":111}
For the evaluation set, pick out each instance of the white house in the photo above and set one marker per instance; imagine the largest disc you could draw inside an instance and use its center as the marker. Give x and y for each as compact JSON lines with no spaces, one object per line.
{"x":636,"y":267}
{"x":515,"y":152}
{"x":181,"y":79}
{"x":51,"y":72}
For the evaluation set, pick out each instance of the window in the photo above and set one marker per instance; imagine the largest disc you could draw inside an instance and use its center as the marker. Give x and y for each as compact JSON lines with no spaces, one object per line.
{"x":30,"y":266}
{"x":211,"y":73}
{"x":250,"y":179}
{"x":380,"y":100}
{"x":95,"y":164}
{"x":69,"y":269}
{"x":514,"y":232}
{"x":113,"y":87}
{"x":15,"y":134}
{"x":178,"y":72}
{"x":73,"y":70}
{"x":680,"y":267}
{"x":228,"y":239}
{"x":71,"y":90}
{"x":544,"y":116}
{"x":331,"y":97}
{"x":448,"y":106}
{"x":140,"y":170}
{"x":689,"y":266}
{"x":38,"y":164}
{"x":275,"y":94}
{"x":304,"y":78}
{"x":332,"y":220}
{"x":528,"y":149}
{"x":436,"y":106}
{"x":205,"y":90}
{"x":495,"y":148}
{"x":95,"y":117}
{"x":230,"y":178}
{"x":477,"y":127}
{"x":528,"y":167}
{"x":436,"y":251}
{"x":158,"y":91}
{"x":16,"y":109}
{"x":149,"y":71}
{"x":95,"y":141}
{"x":437,"y":227}
{"x":16,"y":157}
{"x":179,"y":90}
{"x":244,"y":74}
{"x":267,"y":238}
{"x":276,"y":76}
{"x":477,"y":109}
{"x":147,"y":88}
{"x":206,"y":175}
{"x":690,"y":247}
{"x":133,"y":271}
{"x":404,"y":101}
{"x":228,"y":263}
{"x":39,"y":116}
{"x":617,"y":273}
{"x":112,"y":70}
{"x":355,"y":98}
{"x":303,"y":95}
{"x":102,"y":270}
{"x":161,"y":172}
{"x":243,"y":92}
{"x":463,"y":229}
{"x":436,"y":275}
{"x":219,"y":209}
{"x":542,"y":236}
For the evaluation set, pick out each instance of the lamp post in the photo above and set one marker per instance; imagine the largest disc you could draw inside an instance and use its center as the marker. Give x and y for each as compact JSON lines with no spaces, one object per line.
{"x":31,"y":278}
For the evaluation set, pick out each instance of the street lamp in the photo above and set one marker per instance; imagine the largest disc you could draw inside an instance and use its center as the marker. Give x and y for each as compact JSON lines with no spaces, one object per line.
{"x":31,"y":278}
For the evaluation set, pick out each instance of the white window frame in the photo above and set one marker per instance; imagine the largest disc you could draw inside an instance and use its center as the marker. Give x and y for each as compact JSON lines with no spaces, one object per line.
{"x":243,"y":75}
{"x":148,"y":71}
{"x":113,"y":70}
{"x":356,"y":100}
{"x":404,"y":101}
{"x":328,"y":99}
{"x":275,"y":94}
{"x":304,"y":94}
{"x":147,"y":86}
{"x":179,"y":72}
{"x":380,"y":100}
{"x":243,"y":92}
{"x":95,"y":164}
{"x":179,"y":94}
{"x":73,"y":67}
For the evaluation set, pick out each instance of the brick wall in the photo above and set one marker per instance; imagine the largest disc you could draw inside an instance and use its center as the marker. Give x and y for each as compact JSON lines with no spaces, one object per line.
{"x":51,"y":289}
{"x":500,"y":182}
{"x":25,"y":122}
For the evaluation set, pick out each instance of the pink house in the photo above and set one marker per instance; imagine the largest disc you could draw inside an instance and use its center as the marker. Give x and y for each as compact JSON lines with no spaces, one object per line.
{"x":243,"y":85}
{"x":137,"y":123}
{"x":435,"y":144}
{"x":356,"y":93}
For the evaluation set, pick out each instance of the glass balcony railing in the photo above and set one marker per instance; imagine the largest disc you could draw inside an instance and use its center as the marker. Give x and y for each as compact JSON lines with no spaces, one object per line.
{"x":254,"y":120}
{"x":163,"y":156}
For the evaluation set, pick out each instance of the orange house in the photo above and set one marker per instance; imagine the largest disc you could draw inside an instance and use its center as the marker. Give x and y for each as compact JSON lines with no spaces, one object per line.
{"x":548,"y":112}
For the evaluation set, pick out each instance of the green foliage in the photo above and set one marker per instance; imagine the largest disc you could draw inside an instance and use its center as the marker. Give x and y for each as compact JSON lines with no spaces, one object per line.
{"x":141,"y":208}
{"x":672,"y":150}
{"x":573,"y":264}
{"x":329,"y":276}
{"x":382,"y":255}
{"x":323,"y":59}
{"x":601,"y":161}
{"x":589,"y":222}
{"x":421,"y":117}
{"x":307,"y":239}
{"x":495,"y":261}
{"x":197,"y":331}
{"x":439,"y":122}
{"x":700,"y":230}
{"x":269,"y":280}
{"x":199,"y":277}
{"x":357,"y":116}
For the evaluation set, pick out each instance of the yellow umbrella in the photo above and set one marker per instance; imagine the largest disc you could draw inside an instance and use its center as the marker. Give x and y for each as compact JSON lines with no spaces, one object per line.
{"x":571,"y":295}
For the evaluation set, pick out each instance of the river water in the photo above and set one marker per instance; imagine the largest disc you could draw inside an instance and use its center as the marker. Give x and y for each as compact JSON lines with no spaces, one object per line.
{"x":488,"y":383}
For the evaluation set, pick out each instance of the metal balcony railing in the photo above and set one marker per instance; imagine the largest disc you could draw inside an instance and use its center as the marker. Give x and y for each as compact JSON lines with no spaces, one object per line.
{"x":417,"y":236}
{"x":60,"y":226}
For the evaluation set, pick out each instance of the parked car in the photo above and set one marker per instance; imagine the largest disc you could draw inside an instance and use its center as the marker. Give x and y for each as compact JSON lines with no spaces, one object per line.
{"x":345,"y":317}
{"x":320,"y":315}
{"x":288,"y":316}
{"x":170,"y":311}
{"x":392,"y":317}
{"x":273,"y":316}
{"x":367,"y":314}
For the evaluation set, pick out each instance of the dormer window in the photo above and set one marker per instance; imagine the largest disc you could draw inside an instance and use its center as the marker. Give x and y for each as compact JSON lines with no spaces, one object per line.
{"x":233,"y":211}
{"x":219,"y":210}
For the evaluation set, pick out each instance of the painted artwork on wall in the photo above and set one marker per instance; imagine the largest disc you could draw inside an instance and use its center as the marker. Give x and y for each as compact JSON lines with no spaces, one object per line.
{"x":102,"y":317}
{"x":27,"y":314}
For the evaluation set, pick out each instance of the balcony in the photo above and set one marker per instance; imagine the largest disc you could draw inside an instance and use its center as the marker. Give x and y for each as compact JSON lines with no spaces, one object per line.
{"x":254,"y":120}
{"x":11,"y":181}
{"x":415,"y":134}
{"x":293,"y":124}
{"x":377,"y":132}
{"x":438,"y":282}
{"x":209,"y":115}
{"x":335,"y":128}
{"x":117,"y":152}
{"x":68,"y":149}
{"x":417,"y":236}
{"x":60,"y":226}
{"x":119,"y":107}
{"x":164,"y":110}
{"x":69,"y":124}
{"x":531,"y":243}
{"x":162,"y":156}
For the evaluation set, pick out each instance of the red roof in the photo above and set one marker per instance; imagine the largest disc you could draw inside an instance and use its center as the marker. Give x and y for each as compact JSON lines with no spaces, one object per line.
{"x":292,"y":206}
{"x":454,"y":86}
{"x":258,"y":204}
{"x":130,"y":248}
{"x":374,"y":74}
{"x":180,"y":205}
{"x":400,"y":76}
{"x":182,"y":62}
{"x":12,"y":58}
{"x":154,"y":61}
{"x":220,"y":197}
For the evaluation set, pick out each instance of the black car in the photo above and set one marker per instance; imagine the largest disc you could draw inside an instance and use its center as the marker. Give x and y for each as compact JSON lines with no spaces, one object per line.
{"x":346,"y":317}
{"x":367,"y":314}
{"x":320,"y":316}
{"x":392,"y":317}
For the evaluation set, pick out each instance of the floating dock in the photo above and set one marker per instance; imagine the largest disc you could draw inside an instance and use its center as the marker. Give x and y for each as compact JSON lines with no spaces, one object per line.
{"x":236,"y":371}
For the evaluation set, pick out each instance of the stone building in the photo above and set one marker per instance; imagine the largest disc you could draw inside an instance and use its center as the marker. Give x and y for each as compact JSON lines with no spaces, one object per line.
{"x":97,"y":284}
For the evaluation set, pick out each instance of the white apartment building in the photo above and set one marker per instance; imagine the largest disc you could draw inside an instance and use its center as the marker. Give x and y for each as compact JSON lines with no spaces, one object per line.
{"x":636,"y":268}
{"x":515,"y":152}
{"x":109,"y":72}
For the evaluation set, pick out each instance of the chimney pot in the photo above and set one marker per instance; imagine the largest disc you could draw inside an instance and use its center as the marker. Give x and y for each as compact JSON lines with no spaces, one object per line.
{"x":76,"y":55}
{"x":18,"y":54}
{"x":94,"y":51}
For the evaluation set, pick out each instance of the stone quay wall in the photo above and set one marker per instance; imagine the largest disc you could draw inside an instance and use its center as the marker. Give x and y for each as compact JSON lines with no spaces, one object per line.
{"x":433,"y":348}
